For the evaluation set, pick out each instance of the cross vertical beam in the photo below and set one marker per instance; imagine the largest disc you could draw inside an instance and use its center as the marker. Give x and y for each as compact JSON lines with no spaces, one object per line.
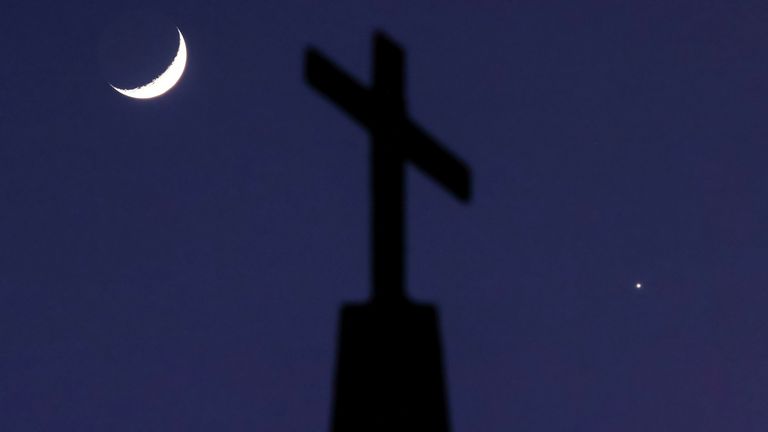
{"x":387,"y":175}
{"x":396,"y":140}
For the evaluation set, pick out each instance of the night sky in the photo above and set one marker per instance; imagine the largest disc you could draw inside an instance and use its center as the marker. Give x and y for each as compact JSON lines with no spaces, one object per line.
{"x":178,"y":264}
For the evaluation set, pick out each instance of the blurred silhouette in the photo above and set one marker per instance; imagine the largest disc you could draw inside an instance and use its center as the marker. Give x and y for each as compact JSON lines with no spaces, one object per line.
{"x":389,"y":364}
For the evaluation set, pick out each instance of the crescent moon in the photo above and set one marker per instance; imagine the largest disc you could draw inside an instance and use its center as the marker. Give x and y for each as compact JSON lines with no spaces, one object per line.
{"x":165,"y":81}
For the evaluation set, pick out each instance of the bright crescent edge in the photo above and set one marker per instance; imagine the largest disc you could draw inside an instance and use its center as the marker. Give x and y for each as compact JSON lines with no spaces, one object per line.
{"x":165,"y":81}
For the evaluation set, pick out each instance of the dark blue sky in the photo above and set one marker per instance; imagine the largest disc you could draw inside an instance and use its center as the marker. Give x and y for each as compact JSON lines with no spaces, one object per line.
{"x":178,"y":264}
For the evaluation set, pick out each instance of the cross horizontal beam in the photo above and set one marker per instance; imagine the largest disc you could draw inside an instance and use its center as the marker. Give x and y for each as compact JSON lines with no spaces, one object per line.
{"x":363,"y":105}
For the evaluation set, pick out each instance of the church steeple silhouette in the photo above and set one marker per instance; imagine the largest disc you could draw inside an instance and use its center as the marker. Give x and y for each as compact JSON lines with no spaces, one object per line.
{"x":389,"y":373}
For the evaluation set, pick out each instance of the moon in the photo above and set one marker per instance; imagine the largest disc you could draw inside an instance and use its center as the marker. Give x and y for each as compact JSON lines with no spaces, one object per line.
{"x":165,"y":81}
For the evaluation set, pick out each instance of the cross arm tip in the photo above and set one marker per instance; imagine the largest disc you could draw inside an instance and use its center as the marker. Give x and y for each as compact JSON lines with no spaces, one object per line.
{"x":464,"y":189}
{"x":439,"y":163}
{"x":313,"y":61}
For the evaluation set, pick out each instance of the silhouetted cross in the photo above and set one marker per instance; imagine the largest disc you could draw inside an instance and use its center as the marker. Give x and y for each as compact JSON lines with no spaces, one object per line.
{"x":396,"y":140}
